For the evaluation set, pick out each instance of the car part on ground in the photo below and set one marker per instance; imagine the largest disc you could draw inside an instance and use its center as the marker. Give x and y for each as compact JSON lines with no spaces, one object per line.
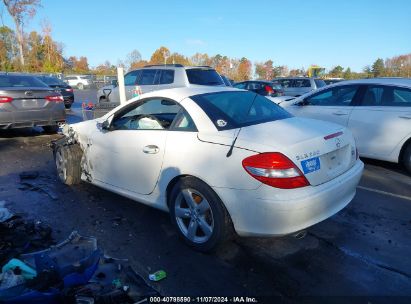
{"x":154,"y":147}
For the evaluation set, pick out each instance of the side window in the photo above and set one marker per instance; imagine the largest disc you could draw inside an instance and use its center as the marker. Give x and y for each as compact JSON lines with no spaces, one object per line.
{"x":167,"y":76}
{"x":152,"y":114}
{"x":240,"y":85}
{"x":254,"y":86}
{"x":286,"y":83}
{"x":301,"y":83}
{"x":387,"y":96}
{"x":132,"y":78}
{"x":183,"y":122}
{"x":337,"y":96}
{"x":147,"y":77}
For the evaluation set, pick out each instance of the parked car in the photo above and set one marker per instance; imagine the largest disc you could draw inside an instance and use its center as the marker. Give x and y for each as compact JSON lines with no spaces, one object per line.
{"x":81,"y":82}
{"x":265,"y":88}
{"x":377,"y":111}
{"x":297,"y":86}
{"x":25,"y":101}
{"x":332,"y":80}
{"x":158,"y":77}
{"x":227,"y":81}
{"x":65,"y":90}
{"x":208,"y":156}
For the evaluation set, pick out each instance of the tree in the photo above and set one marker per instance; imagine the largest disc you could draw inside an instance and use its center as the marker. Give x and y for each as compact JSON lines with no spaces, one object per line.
{"x":7,"y":50}
{"x":367,"y":71}
{"x":378,"y":68}
{"x":20,"y":11}
{"x":132,"y":58}
{"x":347,"y":73}
{"x":265,"y":70}
{"x":200,"y":59}
{"x":336,"y":71}
{"x":177,"y":58}
{"x":160,"y":56}
{"x":243,"y":70}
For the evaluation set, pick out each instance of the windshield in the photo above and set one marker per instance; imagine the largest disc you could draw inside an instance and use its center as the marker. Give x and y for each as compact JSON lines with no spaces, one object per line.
{"x":320,"y":83}
{"x":204,"y":77}
{"x":52,"y":81}
{"x":235,"y":109}
{"x":17,"y":81}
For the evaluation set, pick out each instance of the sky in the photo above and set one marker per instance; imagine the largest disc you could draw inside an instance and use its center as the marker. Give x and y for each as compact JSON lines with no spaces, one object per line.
{"x":296,"y":33}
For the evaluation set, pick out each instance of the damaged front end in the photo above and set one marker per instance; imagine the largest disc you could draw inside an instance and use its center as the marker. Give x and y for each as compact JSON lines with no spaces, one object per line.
{"x":70,"y":155}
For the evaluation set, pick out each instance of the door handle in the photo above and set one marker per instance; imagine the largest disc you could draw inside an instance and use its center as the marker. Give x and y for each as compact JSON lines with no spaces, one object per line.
{"x":340,"y":113}
{"x":151,"y":149}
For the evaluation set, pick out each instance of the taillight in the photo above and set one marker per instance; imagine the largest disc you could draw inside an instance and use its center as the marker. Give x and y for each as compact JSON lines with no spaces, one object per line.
{"x":268,"y":89}
{"x":276,"y":170}
{"x":57,"y":98}
{"x":5,"y":99}
{"x":69,"y":90}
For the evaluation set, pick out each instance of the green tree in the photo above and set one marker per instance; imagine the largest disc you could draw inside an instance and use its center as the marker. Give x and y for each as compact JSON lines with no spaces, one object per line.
{"x":20,"y":11}
{"x":337,"y":71}
{"x":378,"y":68}
{"x":347,"y":73}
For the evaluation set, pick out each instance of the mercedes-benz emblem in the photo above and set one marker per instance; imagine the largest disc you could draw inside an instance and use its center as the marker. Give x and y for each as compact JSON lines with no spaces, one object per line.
{"x":338,"y":142}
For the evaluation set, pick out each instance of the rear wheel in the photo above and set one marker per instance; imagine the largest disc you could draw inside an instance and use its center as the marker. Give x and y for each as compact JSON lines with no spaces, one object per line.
{"x":68,"y":160}
{"x":407,"y":158}
{"x":199,"y":215}
{"x":51,"y":129}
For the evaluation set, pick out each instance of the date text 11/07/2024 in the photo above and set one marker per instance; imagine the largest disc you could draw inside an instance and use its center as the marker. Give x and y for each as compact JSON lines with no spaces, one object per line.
{"x":202,"y":300}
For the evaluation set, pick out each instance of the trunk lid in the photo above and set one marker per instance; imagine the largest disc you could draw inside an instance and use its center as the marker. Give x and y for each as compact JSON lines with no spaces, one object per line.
{"x":29,"y":98}
{"x":302,"y":140}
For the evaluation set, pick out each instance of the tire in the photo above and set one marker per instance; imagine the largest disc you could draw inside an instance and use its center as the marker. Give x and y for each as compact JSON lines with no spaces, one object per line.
{"x":80,"y":86}
{"x":406,"y":158}
{"x":51,"y":129}
{"x":189,"y":217}
{"x":68,"y":160}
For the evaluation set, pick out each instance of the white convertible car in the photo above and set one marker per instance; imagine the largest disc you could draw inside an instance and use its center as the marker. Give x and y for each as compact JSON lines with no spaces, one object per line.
{"x":218,"y":159}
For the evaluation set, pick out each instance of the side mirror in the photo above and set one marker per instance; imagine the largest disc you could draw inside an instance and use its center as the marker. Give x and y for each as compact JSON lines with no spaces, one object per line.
{"x":105,"y":125}
{"x":114,"y":83}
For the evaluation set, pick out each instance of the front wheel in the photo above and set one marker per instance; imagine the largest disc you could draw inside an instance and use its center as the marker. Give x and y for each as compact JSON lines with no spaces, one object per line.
{"x":68,"y":164}
{"x":199,"y":215}
{"x":407,"y":158}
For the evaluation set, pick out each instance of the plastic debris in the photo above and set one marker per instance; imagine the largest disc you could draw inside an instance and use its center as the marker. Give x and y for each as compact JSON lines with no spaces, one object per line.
{"x":26,"y":271}
{"x":157,"y":276}
{"x":5,"y":213}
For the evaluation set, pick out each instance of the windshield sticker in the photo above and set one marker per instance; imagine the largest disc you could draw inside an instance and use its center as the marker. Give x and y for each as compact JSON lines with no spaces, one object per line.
{"x":221,"y":123}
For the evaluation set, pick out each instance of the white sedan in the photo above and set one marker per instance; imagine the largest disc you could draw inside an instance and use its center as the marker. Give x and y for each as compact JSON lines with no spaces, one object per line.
{"x":377,"y":111}
{"x":218,"y":159}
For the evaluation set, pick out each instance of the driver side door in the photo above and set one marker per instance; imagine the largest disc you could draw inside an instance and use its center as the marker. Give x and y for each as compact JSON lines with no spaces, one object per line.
{"x":130,"y":153}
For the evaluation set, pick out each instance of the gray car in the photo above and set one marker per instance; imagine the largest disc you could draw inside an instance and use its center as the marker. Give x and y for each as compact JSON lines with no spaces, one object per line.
{"x":25,"y":101}
{"x":159,"y":77}
{"x":297,"y":86}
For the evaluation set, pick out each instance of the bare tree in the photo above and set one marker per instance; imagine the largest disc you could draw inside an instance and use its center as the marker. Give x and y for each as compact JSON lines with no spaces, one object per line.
{"x":20,"y":10}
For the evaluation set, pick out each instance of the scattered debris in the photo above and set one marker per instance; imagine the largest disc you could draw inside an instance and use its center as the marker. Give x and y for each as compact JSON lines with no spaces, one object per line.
{"x":33,"y":181}
{"x":157,"y":276}
{"x":5,"y":213}
{"x":73,"y":271}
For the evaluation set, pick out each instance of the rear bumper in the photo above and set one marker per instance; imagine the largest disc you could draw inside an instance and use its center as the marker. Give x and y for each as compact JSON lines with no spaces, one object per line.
{"x":274,"y":212}
{"x":32,"y":118}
